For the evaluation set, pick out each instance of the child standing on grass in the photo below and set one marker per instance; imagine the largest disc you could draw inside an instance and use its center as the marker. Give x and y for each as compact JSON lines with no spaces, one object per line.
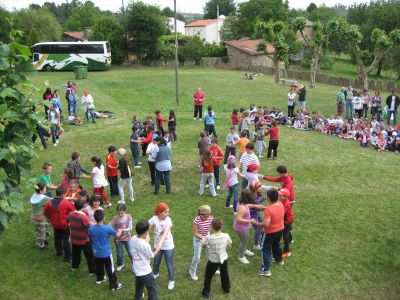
{"x":231,"y":183}
{"x":125,"y":176}
{"x":134,"y":144}
{"x":159,"y":122}
{"x":248,"y":158}
{"x":217,"y":244}
{"x":246,"y":124}
{"x":45,"y":178}
{"x":235,"y":118}
{"x":141,"y":254}
{"x":288,"y":221}
{"x":172,"y":126}
{"x":79,"y":226}
{"x":202,"y":144}
{"x":57,"y":211}
{"x":161,"y":224}
{"x":242,"y":224}
{"x":94,"y":204}
{"x":207,"y":173}
{"x":286,"y":180}
{"x":55,"y":123}
{"x":100,"y":234}
{"x":231,"y":139}
{"x":99,"y":180}
{"x":260,"y":144}
{"x":122,"y":221}
{"x":112,"y":171}
{"x":38,"y":219}
{"x":217,"y":155}
{"x":273,"y":144}
{"x":242,"y":142}
{"x":201,"y":229}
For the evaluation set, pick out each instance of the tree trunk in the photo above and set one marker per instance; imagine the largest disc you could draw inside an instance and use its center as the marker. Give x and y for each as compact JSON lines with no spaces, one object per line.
{"x":363,"y":77}
{"x":277,"y":71}
{"x":314,"y":69}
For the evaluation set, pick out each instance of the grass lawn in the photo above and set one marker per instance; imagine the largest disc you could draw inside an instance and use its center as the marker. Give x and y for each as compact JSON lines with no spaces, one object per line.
{"x":347,"y":210}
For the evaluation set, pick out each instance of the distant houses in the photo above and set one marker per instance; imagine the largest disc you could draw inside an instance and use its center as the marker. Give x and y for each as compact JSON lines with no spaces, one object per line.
{"x":180,"y":25}
{"x":208,"y":29}
{"x":76,"y":36}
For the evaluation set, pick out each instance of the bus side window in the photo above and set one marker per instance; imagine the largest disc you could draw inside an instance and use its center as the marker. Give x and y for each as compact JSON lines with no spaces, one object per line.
{"x":35,"y":57}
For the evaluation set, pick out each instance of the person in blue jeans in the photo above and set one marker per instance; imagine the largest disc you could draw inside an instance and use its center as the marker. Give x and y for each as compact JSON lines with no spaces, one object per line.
{"x":161,"y":225}
{"x":209,"y":122}
{"x":122,"y":221}
{"x":162,"y":157}
{"x":73,"y":103}
{"x":231,"y":183}
{"x":392,"y":102}
{"x":273,"y":229}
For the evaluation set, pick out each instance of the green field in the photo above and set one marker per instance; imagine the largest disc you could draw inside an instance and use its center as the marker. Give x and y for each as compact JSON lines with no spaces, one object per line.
{"x":347,"y":222}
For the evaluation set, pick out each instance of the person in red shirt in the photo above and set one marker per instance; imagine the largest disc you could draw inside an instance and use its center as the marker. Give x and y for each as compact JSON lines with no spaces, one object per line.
{"x":159,"y":122}
{"x":147,"y":139}
{"x":217,"y":155}
{"x":273,"y":133}
{"x":198,"y":98}
{"x":235,"y":118}
{"x":57,"y":211}
{"x":288,"y":220}
{"x":112,"y":171}
{"x":273,"y":229}
{"x":79,"y":227}
{"x":286,"y":180}
{"x":207,"y":173}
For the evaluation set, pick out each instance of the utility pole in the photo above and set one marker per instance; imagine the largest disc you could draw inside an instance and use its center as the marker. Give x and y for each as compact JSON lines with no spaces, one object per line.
{"x":176,"y":58}
{"x":125,"y":34}
{"x":217,"y":23}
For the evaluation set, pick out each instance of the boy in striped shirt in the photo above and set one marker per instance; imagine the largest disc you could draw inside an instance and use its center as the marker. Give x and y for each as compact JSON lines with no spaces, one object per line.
{"x":248,"y":158}
{"x":217,"y":244}
{"x":79,"y":227}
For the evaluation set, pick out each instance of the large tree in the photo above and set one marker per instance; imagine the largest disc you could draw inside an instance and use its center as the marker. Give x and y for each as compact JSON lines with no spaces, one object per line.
{"x":38,"y":26}
{"x":109,"y":29}
{"x":145,"y":26}
{"x":322,"y":14}
{"x":260,"y":10}
{"x":230,"y":29}
{"x":367,"y":59}
{"x":83,"y":16}
{"x":316,"y":43}
{"x":5,"y":26}
{"x":226,"y":7}
{"x":275,"y":33}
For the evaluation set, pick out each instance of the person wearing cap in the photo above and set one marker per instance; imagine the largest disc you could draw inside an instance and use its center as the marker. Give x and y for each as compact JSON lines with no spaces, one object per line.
{"x":273,"y":224}
{"x":88,"y":105}
{"x":201,"y":229}
{"x":125,"y":176}
{"x":251,"y":173}
{"x":288,"y":221}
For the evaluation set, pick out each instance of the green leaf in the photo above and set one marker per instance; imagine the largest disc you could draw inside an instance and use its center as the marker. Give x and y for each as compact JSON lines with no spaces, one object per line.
{"x":3,"y":219}
{"x":2,"y":187}
{"x":4,"y":50}
{"x":24,"y":50}
{"x":3,"y":174}
{"x":24,"y":66}
{"x":2,"y":127}
{"x":3,"y":108}
{"x":4,"y":64}
{"x":9,"y":92}
{"x":16,"y":200}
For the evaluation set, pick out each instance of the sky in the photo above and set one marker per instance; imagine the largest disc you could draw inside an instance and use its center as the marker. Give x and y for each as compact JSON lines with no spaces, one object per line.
{"x":193,"y":6}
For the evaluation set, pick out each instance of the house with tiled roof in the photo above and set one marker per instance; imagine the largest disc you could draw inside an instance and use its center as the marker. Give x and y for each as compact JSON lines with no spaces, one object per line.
{"x":76,"y":36}
{"x":243,"y":53}
{"x":208,"y":29}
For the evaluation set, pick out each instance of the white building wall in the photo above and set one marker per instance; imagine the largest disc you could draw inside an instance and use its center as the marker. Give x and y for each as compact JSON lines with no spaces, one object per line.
{"x":179,"y":24}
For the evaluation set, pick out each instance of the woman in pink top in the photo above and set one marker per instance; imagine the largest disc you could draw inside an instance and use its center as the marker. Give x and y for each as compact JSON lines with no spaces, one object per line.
{"x":243,"y":222}
{"x":273,"y":228}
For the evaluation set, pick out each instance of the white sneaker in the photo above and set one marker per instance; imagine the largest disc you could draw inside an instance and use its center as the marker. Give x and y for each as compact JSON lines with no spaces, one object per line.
{"x":156,"y":275}
{"x":217,"y":272}
{"x":218,"y":187}
{"x":171,"y":285}
{"x":57,"y":141}
{"x":133,"y":199}
{"x":243,"y":260}
{"x":281,"y":263}
{"x":194,"y":118}
{"x":193,"y":275}
{"x":101,"y":281}
{"x":121,"y":202}
{"x":207,"y":185}
{"x":137,"y":167}
{"x":139,"y":163}
{"x":201,"y":119}
{"x":257,"y":247}
{"x":55,"y":145}
{"x":265,"y":273}
{"x":248,"y":253}
{"x":119,"y":268}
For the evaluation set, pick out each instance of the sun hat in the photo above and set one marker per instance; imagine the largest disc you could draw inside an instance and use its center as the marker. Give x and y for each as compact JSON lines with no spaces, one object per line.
{"x":284,"y":192}
{"x":205,"y":209}
{"x":121,"y":151}
{"x":231,"y":158}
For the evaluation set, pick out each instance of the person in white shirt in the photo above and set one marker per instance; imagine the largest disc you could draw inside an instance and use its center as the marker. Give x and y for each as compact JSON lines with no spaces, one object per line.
{"x":358,"y":104}
{"x":99,"y":180}
{"x":161,"y":225}
{"x":217,"y":243}
{"x":291,"y":102}
{"x":88,"y":105}
{"x":141,"y":256}
{"x":246,"y":159}
{"x":54,"y":119}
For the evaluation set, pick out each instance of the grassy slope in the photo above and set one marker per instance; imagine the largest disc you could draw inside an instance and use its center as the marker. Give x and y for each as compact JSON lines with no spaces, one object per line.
{"x":346,"y":227}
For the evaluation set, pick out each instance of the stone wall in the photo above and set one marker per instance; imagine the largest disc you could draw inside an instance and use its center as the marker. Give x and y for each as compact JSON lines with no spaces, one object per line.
{"x":204,"y":61}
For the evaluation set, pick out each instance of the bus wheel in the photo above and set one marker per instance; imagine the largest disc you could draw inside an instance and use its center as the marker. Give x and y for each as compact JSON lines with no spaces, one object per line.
{"x":47,"y":68}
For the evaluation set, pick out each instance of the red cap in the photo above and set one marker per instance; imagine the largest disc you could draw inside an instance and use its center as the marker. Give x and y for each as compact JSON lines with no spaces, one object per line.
{"x":284,"y":192}
{"x":252,"y":167}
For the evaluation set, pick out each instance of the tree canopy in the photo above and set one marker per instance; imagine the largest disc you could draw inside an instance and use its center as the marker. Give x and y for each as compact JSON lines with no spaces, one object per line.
{"x":83,"y":16}
{"x":226,"y":7}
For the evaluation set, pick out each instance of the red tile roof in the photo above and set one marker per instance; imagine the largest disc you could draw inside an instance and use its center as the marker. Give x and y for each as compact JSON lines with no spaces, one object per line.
{"x":201,"y":23}
{"x":250,"y":46}
{"x":76,"y":35}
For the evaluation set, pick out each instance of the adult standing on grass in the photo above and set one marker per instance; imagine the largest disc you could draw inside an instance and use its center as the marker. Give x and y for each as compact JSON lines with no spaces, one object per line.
{"x":349,"y":102}
{"x":273,"y":229}
{"x":291,"y":101}
{"x":162,"y":157}
{"x":340,"y":100}
{"x":302,"y":97}
{"x":392,"y":102}
{"x":198,"y":98}
{"x":376,"y":108}
{"x":88,"y":105}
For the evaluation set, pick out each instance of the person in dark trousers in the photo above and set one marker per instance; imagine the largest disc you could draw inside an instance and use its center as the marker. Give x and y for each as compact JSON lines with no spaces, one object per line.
{"x":76,"y":167}
{"x":288,"y":221}
{"x":392,"y":102}
{"x":134,"y":145}
{"x":79,"y":227}
{"x":172,"y":126}
{"x":57,"y":211}
{"x":217,"y":243}
{"x":112,"y":171}
{"x":100,"y":235}
{"x":273,"y":133}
